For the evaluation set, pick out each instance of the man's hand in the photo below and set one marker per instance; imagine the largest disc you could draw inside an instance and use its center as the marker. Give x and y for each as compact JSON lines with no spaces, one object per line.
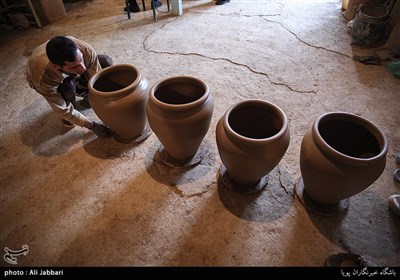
{"x":100,"y":130}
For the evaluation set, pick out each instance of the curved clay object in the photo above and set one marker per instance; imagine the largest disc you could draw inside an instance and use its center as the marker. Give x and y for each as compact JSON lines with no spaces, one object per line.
{"x":252,"y":137}
{"x":118,"y":95}
{"x":179,"y":111}
{"x":341,"y":155}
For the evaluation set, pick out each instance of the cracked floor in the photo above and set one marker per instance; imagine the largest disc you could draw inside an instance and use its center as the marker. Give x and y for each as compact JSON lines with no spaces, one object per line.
{"x":76,"y":200}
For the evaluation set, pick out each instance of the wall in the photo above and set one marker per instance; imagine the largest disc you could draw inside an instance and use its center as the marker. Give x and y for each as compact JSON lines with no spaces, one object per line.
{"x":49,"y":10}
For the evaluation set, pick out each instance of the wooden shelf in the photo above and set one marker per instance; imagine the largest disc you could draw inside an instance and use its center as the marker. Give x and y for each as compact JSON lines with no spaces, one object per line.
{"x":8,"y":7}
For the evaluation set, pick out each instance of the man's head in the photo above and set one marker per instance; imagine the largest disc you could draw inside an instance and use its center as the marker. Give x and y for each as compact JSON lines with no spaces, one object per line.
{"x":65,"y":55}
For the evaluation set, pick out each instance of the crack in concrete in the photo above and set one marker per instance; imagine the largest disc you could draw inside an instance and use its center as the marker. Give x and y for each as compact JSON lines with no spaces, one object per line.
{"x":245,"y":65}
{"x":304,"y":42}
{"x":180,"y":193}
{"x":177,"y":191}
{"x":200,"y":194}
{"x":235,"y":63}
{"x":146,"y":48}
{"x":282,"y":184}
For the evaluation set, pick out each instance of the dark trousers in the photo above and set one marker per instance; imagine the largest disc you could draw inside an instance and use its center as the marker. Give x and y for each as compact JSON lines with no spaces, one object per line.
{"x":70,"y":87}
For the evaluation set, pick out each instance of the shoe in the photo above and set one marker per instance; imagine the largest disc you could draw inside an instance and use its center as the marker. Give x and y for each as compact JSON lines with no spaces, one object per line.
{"x":348,"y":260}
{"x":394,"y":203}
{"x":67,"y":124}
{"x":396,"y":175}
{"x":133,"y":7}
{"x":222,"y":2}
{"x":157,"y":3}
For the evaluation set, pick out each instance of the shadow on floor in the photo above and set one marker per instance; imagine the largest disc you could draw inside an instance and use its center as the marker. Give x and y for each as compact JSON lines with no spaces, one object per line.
{"x":45,"y":133}
{"x":268,"y":205}
{"x":179,"y":176}
{"x":354,"y":235}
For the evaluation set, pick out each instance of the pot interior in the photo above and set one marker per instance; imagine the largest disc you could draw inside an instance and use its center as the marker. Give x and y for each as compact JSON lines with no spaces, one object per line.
{"x":349,"y":138}
{"x":375,"y":11}
{"x":179,"y":92}
{"x":256,"y":122}
{"x":115,"y":80}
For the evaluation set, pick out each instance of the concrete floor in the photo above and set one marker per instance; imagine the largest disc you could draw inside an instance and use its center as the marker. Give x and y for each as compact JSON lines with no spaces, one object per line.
{"x":76,"y":200}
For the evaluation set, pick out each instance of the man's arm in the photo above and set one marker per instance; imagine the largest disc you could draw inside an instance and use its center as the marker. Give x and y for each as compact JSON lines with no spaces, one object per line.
{"x":60,"y":107}
{"x":70,"y":114}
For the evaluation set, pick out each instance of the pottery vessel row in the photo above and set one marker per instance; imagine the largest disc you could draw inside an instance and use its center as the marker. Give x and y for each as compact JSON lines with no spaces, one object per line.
{"x":341,"y":154}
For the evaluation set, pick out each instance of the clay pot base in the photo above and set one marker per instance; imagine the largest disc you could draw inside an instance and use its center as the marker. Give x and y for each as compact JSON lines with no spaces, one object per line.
{"x":317,"y":208}
{"x":242,"y":189}
{"x":143,"y":136}
{"x":167,"y":160}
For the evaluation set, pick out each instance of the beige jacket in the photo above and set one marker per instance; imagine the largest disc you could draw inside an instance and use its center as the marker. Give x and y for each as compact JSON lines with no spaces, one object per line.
{"x":45,"y":79}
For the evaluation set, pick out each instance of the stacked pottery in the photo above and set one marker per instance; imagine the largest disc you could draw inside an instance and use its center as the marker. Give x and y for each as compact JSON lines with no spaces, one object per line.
{"x":252,"y":137}
{"x":179,"y":111}
{"x":118,"y":95}
{"x":341,"y":155}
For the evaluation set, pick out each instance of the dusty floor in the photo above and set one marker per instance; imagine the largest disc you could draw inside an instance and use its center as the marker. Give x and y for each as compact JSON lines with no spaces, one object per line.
{"x":76,"y":200}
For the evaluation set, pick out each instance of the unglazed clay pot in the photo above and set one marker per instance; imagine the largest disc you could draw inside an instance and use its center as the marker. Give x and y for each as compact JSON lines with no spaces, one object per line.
{"x":252,"y":137}
{"x":341,"y":155}
{"x":179,"y":111}
{"x":118,"y":95}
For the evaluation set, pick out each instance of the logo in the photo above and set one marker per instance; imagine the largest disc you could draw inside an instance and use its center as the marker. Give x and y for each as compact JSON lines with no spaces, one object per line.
{"x":10,"y":255}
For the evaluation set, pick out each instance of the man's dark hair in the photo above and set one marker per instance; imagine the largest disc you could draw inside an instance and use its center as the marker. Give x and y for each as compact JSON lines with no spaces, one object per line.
{"x":61,"y":49}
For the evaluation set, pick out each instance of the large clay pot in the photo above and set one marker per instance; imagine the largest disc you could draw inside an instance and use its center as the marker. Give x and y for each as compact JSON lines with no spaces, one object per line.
{"x":179,"y":111}
{"x":252,"y":137}
{"x":371,"y":26}
{"x":118,"y":95}
{"x":341,"y":155}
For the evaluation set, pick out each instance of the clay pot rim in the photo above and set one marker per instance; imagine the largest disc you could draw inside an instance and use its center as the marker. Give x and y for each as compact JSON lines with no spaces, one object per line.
{"x":179,"y":107}
{"x":115,"y":93}
{"x":329,"y":151}
{"x":279,"y":112}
